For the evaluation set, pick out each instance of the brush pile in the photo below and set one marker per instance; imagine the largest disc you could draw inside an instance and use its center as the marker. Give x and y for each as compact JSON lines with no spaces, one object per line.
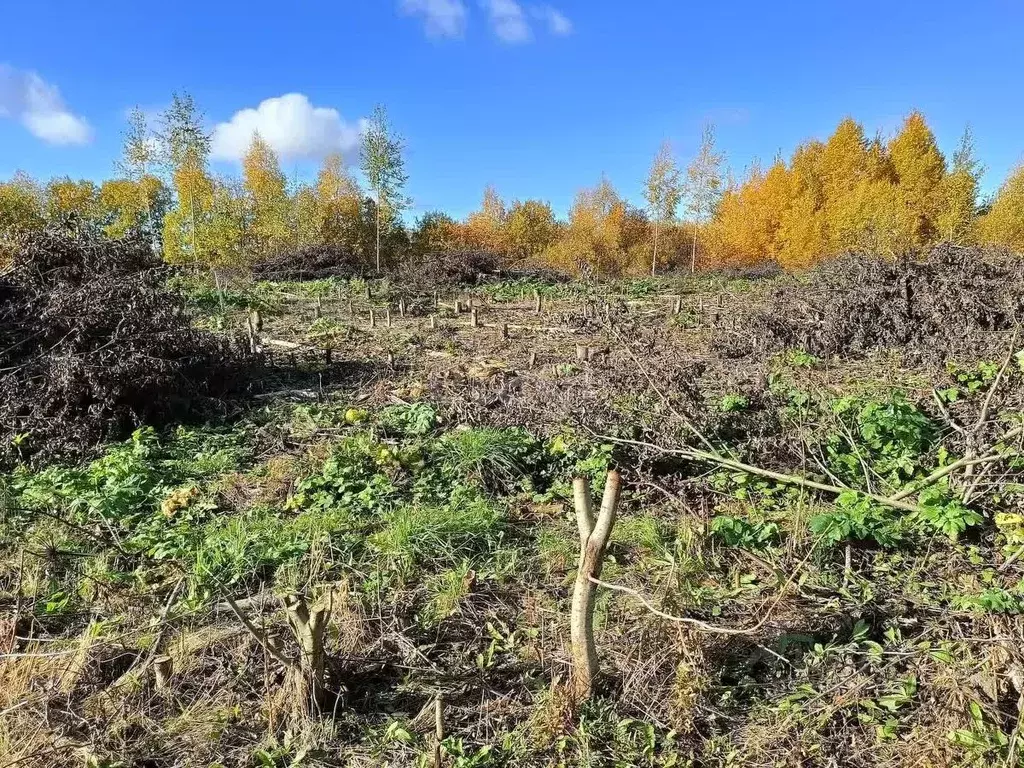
{"x":449,"y":269}
{"x":311,"y":262}
{"x":953,"y":301}
{"x":93,"y":344}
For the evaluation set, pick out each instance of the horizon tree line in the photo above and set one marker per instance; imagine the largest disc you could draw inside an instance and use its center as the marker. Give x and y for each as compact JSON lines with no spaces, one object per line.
{"x":847,"y":193}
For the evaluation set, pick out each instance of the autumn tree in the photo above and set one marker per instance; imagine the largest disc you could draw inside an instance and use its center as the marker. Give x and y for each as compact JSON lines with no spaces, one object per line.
{"x":703,"y":185}
{"x":338,"y":208}
{"x":1004,"y":222}
{"x":919,"y":167}
{"x":435,"y":232}
{"x":133,"y":206}
{"x":67,"y":199}
{"x":265,"y":189}
{"x":21,"y":204}
{"x":844,"y":171}
{"x":304,"y":216}
{"x":486,"y":229}
{"x":591,"y":242}
{"x":747,"y":228}
{"x":185,"y":148}
{"x":531,"y":228}
{"x":663,"y":193}
{"x":230,"y":235}
{"x":139,"y":147}
{"x":959,"y":193}
{"x":138,"y":200}
{"x":384,"y":168}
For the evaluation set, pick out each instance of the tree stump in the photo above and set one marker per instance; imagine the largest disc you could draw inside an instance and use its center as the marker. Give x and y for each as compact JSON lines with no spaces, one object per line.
{"x":308,"y":625}
{"x":593,"y":542}
{"x":163,"y":671}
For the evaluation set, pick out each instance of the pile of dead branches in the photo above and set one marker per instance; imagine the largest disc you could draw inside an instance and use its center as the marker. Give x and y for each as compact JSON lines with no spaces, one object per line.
{"x":92,"y":344}
{"x":449,"y":269}
{"x":951,"y":301}
{"x":311,"y":262}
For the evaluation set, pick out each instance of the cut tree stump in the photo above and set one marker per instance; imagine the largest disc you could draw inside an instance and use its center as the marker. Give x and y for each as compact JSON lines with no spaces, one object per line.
{"x":593,"y":542}
{"x":308,"y":625}
{"x":163,"y":670}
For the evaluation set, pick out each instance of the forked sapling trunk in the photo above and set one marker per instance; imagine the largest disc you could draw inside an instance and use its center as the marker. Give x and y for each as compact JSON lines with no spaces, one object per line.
{"x":593,"y":542}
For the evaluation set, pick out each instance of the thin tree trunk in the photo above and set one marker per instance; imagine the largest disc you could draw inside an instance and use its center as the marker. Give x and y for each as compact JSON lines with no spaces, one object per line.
{"x":693,"y":251}
{"x":654,"y":258}
{"x":192,"y":214}
{"x":378,"y":231}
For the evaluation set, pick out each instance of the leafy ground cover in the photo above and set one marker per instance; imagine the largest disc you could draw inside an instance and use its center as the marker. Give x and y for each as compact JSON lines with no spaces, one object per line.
{"x":854,"y":525}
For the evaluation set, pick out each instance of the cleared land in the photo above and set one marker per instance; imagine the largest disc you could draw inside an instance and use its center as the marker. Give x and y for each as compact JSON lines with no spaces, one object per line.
{"x":816,"y":561}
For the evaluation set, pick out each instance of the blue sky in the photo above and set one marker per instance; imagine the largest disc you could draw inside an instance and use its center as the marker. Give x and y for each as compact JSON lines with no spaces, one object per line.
{"x":536,"y":98}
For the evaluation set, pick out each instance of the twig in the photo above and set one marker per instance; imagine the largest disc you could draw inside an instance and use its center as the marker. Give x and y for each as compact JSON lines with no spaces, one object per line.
{"x":942,"y":472}
{"x":665,"y":399}
{"x":162,"y":621}
{"x":983,"y":416}
{"x":260,"y":636}
{"x":715,"y":458}
{"x":945,"y":414}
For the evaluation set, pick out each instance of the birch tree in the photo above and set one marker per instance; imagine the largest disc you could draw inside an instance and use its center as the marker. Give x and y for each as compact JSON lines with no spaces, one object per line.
{"x":703,"y":186}
{"x":384,"y":168}
{"x":663,"y":193}
{"x":184,"y":150}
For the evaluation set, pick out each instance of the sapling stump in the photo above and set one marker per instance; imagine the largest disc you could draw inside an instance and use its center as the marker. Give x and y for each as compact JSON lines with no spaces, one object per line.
{"x":593,"y":542}
{"x":163,"y":670}
{"x":308,"y":625}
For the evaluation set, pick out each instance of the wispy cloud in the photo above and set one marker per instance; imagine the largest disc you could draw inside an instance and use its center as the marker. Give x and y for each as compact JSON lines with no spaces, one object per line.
{"x":441,"y":18}
{"x":38,"y":105}
{"x":558,"y":23}
{"x":291,"y":125}
{"x":508,"y":21}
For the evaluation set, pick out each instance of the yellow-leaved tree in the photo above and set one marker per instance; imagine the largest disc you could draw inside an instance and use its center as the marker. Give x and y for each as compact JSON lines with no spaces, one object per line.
{"x":531,"y":228}
{"x":132,"y":205}
{"x":591,"y":245}
{"x":228,"y":234}
{"x":21,"y":209}
{"x":486,"y":229}
{"x":1004,"y":222}
{"x":802,"y":233}
{"x":66,"y":198}
{"x":746,"y":229}
{"x":266,"y":194}
{"x":188,"y":223}
{"x":919,"y":168}
{"x":185,"y":148}
{"x":338,"y":208}
{"x":959,"y":194}
{"x":21,"y":203}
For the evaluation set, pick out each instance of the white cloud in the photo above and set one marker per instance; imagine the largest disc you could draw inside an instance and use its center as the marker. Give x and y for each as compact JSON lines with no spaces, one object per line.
{"x":33,"y":102}
{"x":508,"y":20}
{"x":292,"y":126}
{"x":442,"y":18}
{"x":557,"y":22}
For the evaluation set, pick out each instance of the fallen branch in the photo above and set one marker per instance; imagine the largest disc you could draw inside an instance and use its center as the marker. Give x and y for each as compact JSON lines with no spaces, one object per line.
{"x":716,"y":458}
{"x":258,"y":634}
